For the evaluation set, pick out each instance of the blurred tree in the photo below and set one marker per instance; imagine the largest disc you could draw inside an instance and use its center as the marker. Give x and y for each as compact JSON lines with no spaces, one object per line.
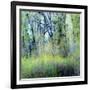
{"x":54,"y":33}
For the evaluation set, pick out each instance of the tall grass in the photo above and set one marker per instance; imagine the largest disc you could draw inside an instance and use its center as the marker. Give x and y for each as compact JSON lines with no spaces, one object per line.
{"x":49,"y":66}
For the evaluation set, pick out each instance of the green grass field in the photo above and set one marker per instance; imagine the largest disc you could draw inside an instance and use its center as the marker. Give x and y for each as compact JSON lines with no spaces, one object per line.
{"x":49,"y":66}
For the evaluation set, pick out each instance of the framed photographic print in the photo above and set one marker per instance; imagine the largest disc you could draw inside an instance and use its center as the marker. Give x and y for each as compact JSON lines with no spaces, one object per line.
{"x":48,"y":44}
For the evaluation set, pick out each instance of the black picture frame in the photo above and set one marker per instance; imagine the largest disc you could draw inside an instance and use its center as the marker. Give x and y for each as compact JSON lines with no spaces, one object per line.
{"x":14,"y":4}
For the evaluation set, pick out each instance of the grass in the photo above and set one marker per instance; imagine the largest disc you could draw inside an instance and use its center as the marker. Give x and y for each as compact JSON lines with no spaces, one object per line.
{"x":49,"y":66}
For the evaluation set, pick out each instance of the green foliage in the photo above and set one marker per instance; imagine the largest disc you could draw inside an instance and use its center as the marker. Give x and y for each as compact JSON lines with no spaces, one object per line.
{"x":50,"y":44}
{"x":49,"y":66}
{"x":76,"y":27}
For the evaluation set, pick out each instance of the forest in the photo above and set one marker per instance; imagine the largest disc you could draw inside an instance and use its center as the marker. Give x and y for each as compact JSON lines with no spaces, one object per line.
{"x":49,"y":44}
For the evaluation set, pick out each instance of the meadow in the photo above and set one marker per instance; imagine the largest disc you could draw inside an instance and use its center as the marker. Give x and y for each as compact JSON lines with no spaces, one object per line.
{"x":49,"y":66}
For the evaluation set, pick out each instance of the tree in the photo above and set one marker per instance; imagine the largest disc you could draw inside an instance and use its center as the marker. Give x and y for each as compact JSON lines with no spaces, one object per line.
{"x":49,"y":32}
